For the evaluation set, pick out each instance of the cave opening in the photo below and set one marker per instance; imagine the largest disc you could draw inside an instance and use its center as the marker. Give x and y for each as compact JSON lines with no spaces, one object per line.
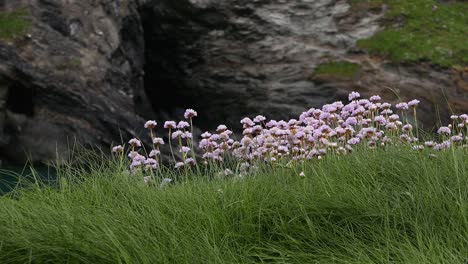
{"x":20,"y":99}
{"x":165,"y":81}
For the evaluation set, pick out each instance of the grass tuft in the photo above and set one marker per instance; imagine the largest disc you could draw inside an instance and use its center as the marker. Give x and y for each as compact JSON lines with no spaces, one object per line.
{"x":375,"y":206}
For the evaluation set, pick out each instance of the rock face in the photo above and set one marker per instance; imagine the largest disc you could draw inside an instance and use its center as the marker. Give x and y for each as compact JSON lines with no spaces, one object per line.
{"x":75,"y":78}
{"x":90,"y":71}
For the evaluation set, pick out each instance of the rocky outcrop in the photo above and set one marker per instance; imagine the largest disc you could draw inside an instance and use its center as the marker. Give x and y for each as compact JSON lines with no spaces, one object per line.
{"x":73,"y":78}
{"x":91,"y":71}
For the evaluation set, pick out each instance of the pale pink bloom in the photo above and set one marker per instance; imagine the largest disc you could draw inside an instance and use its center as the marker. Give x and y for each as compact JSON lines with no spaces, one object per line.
{"x":132,"y":154}
{"x":117,"y":149}
{"x":170,"y":125}
{"x":444,"y":130}
{"x":189,"y":113}
{"x":402,"y":106}
{"x":186,"y":134}
{"x":407,"y":127}
{"x":393,"y":117}
{"x":391,"y":126}
{"x":381,"y":120}
{"x":158,"y":141}
{"x":354,"y":141}
{"x":454,"y":117}
{"x":206,"y":135}
{"x":375,"y":98}
{"x":154,"y":153}
{"x":247,"y":122}
{"x":183,"y":124}
{"x":302,"y":174}
{"x":418,"y":147}
{"x":271,"y":123}
{"x":151,"y":164}
{"x":177,"y":134}
{"x":456,"y":138}
{"x":179,"y":165}
{"x":413,"y":103}
{"x":150,"y":124}
{"x":385,"y":106}
{"x":353,"y":95}
{"x":221,"y":128}
{"x":190,"y":161}
{"x":259,"y":119}
{"x":429,"y":144}
{"x":184,"y":149}
{"x":135,"y":142}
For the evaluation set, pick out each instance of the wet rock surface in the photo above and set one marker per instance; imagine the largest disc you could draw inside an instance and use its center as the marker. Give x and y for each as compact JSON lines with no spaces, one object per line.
{"x":92,"y":71}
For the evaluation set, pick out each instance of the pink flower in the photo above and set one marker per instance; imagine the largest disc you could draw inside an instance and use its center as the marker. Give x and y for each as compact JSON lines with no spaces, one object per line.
{"x":135,"y":142}
{"x":190,"y":161}
{"x":247,"y":122}
{"x":375,"y":98}
{"x":151,"y":164}
{"x":354,"y":141}
{"x":407,"y":127}
{"x":429,"y":144}
{"x":259,"y":119}
{"x":187,"y":135}
{"x":413,"y":103}
{"x":402,"y":106}
{"x":184,"y":149}
{"x":158,"y":141}
{"x":444,"y":130}
{"x":353,"y":95}
{"x":151,"y":124}
{"x":182,"y":124}
{"x":170,"y":125}
{"x":179,"y":165}
{"x":154,"y":153}
{"x":206,"y":135}
{"x":177,"y":134}
{"x":302,"y":174}
{"x":221,"y":128}
{"x":189,"y":113}
{"x":117,"y":149}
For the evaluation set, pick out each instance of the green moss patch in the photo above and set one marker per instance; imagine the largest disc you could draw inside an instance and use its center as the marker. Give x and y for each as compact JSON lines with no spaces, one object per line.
{"x":14,"y":24}
{"x":421,"y":30}
{"x":341,"y":70}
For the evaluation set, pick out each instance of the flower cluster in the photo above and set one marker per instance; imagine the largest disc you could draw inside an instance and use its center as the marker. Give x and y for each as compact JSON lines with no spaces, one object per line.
{"x":335,"y":128}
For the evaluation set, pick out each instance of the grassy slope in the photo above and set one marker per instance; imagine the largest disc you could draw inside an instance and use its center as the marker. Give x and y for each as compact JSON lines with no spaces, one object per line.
{"x":384,"y":207}
{"x":439,"y":36}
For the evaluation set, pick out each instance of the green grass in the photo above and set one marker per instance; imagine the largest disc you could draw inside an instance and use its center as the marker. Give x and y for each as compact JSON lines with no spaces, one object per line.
{"x":337,"y":69}
{"x":14,"y":24}
{"x":415,"y":33}
{"x":397,"y":206}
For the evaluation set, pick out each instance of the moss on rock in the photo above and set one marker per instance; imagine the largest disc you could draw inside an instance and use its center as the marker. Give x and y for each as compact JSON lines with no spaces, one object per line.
{"x":14,"y":24}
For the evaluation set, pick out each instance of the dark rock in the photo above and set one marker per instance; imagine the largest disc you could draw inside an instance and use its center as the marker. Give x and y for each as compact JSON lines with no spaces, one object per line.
{"x":91,"y":71}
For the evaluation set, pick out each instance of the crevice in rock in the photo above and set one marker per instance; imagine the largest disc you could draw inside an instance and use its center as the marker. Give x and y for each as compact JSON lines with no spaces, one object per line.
{"x":20,"y":99}
{"x":164,"y":80}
